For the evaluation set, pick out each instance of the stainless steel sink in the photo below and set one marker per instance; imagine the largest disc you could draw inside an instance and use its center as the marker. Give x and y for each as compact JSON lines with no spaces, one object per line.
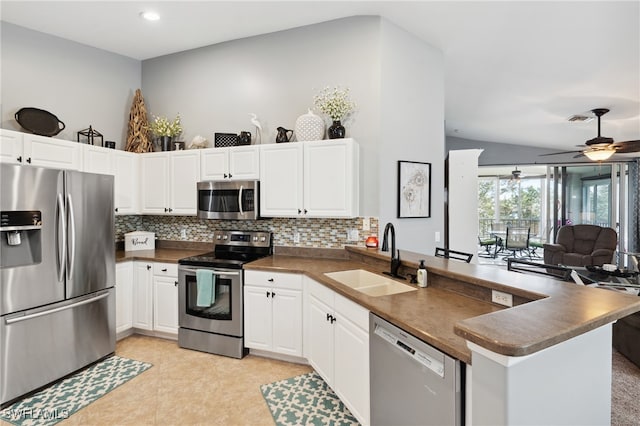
{"x":369,"y":283}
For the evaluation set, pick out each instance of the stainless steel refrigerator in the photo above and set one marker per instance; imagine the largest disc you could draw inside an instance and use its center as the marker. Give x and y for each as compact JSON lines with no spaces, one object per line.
{"x":57,"y":275}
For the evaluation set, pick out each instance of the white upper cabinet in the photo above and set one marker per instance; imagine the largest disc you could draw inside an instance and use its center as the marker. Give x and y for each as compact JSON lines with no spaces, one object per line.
{"x":41,"y":151}
{"x":168,"y":182}
{"x":11,"y":147}
{"x":125,"y":171}
{"x":310,"y":179}
{"x":96,"y":159}
{"x":233,"y":163}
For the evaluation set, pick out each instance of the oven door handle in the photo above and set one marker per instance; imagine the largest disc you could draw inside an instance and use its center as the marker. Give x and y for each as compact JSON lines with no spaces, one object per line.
{"x":214,"y":272}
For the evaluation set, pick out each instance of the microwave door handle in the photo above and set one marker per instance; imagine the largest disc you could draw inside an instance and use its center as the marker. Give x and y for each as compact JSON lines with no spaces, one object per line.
{"x":240,"y":200}
{"x":72,"y":237}
{"x":61,"y":236}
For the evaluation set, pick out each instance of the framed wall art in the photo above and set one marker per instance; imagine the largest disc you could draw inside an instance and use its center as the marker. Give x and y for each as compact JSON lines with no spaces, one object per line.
{"x":414,"y":189}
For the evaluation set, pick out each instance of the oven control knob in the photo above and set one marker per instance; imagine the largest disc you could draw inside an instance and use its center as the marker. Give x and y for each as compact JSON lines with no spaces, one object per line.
{"x":263,"y":239}
{"x":255,"y":238}
{"x":218,"y":237}
{"x":225,"y":237}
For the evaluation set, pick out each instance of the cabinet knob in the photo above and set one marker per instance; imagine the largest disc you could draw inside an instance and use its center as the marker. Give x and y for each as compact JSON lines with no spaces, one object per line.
{"x":20,"y":159}
{"x":270,"y":280}
{"x":273,"y":294}
{"x":225,"y":175}
{"x":230,"y":176}
{"x":116,"y":209}
{"x":299,"y":211}
{"x":333,"y":319}
{"x":170,"y":209}
{"x":29,"y":160}
{"x":164,"y":270}
{"x":328,"y":317}
{"x":148,"y":267}
{"x":166,"y":209}
{"x":305,"y":211}
{"x":175,"y":283}
{"x":268,"y":294}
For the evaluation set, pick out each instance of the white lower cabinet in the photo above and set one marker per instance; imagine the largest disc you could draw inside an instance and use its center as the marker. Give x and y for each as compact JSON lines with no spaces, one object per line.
{"x":124,"y":296}
{"x":337,"y":345}
{"x":165,"y":297}
{"x":155,"y":297}
{"x":273,"y":312}
{"x":143,"y":295}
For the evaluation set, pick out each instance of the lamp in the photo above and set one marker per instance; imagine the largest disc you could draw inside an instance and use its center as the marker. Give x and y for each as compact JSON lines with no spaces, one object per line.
{"x":599,"y":154}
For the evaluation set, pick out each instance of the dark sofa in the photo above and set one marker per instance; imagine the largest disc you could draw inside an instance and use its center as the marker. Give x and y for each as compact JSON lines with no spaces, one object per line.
{"x":581,"y":245}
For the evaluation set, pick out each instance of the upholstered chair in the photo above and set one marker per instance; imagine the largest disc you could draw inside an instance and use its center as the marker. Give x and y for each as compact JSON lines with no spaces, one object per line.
{"x":581,"y":245}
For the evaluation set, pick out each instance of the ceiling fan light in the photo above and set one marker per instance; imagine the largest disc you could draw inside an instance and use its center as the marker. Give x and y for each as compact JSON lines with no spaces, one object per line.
{"x":599,"y":154}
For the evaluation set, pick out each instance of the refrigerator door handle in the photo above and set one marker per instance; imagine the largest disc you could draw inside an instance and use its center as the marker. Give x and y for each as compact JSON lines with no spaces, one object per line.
{"x":14,"y":320}
{"x":61,"y":236}
{"x":72,"y":237}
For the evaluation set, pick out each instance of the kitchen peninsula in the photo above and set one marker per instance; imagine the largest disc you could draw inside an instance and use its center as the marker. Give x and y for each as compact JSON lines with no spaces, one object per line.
{"x":545,"y":360}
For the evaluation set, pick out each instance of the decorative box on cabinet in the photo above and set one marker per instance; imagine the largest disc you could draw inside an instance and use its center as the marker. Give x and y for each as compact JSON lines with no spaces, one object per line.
{"x":273,"y":312}
{"x":337,"y":345}
{"x":232,"y":163}
{"x":310,"y":179}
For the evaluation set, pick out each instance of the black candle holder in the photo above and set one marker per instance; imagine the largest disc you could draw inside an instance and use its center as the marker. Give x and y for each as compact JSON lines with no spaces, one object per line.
{"x":89,"y":136}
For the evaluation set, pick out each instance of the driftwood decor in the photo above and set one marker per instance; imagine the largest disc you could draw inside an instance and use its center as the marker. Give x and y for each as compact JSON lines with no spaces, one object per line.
{"x":138,"y":139}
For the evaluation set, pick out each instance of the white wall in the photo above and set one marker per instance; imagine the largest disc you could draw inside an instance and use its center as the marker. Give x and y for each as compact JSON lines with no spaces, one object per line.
{"x":412,"y":129}
{"x":275,"y":76}
{"x":81,"y":85}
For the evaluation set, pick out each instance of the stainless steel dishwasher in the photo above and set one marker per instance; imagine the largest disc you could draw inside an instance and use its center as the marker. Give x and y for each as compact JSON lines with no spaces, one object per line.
{"x":412,"y":383}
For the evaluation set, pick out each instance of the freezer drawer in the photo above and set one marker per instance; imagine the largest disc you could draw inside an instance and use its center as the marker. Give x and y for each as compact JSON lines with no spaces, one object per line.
{"x":42,"y":345}
{"x":412,"y":383}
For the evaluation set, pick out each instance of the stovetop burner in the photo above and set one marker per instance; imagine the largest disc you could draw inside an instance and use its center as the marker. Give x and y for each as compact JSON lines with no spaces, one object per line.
{"x":232,"y":249}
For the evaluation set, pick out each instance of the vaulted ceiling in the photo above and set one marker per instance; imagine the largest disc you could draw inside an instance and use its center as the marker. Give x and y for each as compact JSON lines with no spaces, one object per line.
{"x":515,"y":71}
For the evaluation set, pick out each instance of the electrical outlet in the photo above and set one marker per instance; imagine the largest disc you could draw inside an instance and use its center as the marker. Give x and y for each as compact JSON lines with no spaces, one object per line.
{"x":366,"y":224}
{"x":437,"y":236}
{"x":296,"y":237}
{"x":501,"y":298}
{"x":353,"y":235}
{"x":183,"y":233}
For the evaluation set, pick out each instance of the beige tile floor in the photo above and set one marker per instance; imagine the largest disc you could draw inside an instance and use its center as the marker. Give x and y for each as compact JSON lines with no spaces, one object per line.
{"x":187,"y":387}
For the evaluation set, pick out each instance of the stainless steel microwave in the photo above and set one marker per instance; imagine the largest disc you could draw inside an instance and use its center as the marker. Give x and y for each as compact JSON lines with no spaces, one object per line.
{"x":229,"y":199}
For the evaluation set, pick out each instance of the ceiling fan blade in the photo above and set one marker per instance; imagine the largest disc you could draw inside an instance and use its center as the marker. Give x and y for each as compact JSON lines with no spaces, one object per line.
{"x":558,"y":153}
{"x":627,"y":146}
{"x":579,"y":155}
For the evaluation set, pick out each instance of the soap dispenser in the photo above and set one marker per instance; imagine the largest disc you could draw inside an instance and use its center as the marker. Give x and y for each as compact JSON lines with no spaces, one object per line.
{"x":422,"y":275}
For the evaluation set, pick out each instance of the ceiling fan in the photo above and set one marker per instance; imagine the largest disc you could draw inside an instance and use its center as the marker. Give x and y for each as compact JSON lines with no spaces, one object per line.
{"x":601,"y":148}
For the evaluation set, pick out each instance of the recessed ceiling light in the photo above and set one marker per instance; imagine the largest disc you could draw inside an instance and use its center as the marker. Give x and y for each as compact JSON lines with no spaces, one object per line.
{"x":150,"y":16}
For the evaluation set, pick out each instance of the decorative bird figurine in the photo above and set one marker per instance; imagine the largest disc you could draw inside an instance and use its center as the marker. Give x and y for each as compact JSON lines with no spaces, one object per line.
{"x":255,"y":122}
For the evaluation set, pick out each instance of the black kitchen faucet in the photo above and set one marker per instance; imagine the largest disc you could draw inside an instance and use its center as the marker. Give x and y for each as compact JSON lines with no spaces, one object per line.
{"x":395,"y":261}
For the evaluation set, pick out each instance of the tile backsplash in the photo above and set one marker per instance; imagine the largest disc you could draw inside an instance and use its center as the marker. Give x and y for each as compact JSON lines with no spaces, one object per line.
{"x":313,"y":232}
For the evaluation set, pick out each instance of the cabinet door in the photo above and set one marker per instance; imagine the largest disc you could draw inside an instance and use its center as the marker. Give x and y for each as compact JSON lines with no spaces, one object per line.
{"x":125,"y":167}
{"x":320,"y":348}
{"x":154,"y":178}
{"x":184,"y":175}
{"x":244,"y":163}
{"x":142,"y":296}
{"x":124,"y":296}
{"x":214,"y":164}
{"x":96,"y":159}
{"x":257,"y":318}
{"x":281,"y":180}
{"x":287,"y":321}
{"x":351,"y":367}
{"x":43,"y":151}
{"x":330,"y":178}
{"x":11,"y":147}
{"x":165,"y":304}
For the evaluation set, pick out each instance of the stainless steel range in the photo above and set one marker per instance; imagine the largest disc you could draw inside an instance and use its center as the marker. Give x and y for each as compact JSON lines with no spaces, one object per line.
{"x":211,"y":290}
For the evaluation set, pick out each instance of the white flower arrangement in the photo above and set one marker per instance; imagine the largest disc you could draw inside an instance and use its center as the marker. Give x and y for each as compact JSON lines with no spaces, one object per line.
{"x":161,"y":126}
{"x":335,"y":102}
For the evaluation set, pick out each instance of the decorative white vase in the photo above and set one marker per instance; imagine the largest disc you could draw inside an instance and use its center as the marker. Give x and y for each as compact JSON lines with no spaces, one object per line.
{"x":309,"y":127}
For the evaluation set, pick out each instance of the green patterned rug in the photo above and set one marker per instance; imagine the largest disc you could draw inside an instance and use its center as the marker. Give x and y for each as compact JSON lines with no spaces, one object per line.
{"x":60,"y":400}
{"x":305,"y":400}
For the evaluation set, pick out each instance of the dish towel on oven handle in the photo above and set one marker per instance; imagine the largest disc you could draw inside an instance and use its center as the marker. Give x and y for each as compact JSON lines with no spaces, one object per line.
{"x":206,"y":286}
